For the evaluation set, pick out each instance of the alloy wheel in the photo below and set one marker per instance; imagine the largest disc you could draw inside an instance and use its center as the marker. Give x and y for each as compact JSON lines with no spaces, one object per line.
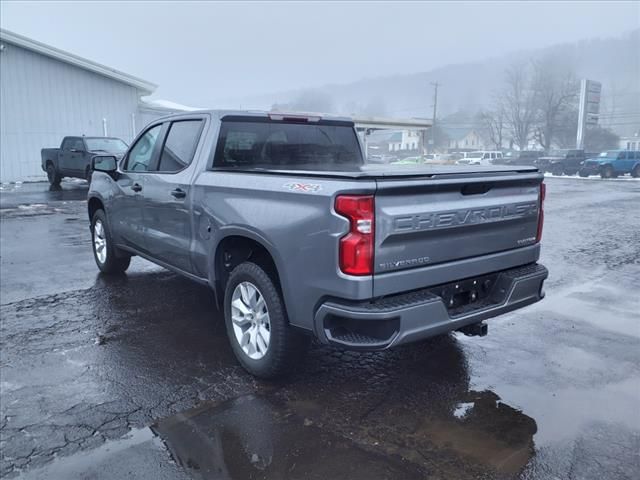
{"x":100,"y":241}
{"x":250,"y":320}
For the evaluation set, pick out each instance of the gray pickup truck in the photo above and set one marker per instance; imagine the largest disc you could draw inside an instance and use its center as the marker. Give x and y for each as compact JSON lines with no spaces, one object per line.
{"x":298,"y":237}
{"x":73,"y":158}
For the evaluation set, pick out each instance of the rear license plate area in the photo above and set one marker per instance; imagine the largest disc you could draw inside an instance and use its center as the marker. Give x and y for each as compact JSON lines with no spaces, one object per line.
{"x":466,"y":294}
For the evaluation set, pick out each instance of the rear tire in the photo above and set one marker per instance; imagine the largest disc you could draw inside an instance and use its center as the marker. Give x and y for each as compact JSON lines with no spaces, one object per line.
{"x":109,"y":259}
{"x":52,"y":175}
{"x":557,"y":170}
{"x":257,"y":324}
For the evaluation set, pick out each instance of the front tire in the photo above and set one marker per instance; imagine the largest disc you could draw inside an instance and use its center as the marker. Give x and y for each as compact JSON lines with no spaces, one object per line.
{"x":583,"y":173}
{"x":257,"y":324}
{"x":109,"y":259}
{"x":607,"y":172}
{"x":52,"y":175}
{"x":635,"y":173}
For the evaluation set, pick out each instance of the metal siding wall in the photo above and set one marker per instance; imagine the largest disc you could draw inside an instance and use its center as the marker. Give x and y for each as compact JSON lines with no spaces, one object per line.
{"x":43,"y":99}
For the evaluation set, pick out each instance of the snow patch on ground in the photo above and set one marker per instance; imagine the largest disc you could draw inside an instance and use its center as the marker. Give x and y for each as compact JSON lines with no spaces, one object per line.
{"x":594,"y":178}
{"x":462,"y":409}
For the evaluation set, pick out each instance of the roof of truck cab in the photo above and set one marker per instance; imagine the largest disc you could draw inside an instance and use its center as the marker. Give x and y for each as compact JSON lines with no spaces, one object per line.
{"x":375,"y":123}
{"x":220,"y":114}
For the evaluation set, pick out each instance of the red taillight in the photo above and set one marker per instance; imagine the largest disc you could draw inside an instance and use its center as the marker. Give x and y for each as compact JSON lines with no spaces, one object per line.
{"x":543,"y":194}
{"x":356,"y":247}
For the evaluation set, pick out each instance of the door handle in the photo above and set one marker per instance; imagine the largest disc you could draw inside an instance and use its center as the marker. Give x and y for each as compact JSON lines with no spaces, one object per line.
{"x":178,"y":193}
{"x":136,"y":187}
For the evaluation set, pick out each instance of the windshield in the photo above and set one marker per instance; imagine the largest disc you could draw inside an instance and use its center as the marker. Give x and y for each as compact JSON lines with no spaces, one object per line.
{"x":299,"y":146}
{"x":111,"y":145}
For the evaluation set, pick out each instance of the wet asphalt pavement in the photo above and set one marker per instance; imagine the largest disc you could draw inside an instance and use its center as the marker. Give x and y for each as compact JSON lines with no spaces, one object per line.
{"x":132,"y":376}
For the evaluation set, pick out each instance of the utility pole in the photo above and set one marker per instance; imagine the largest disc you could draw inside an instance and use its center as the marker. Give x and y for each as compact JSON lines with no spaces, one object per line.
{"x":435,"y":107}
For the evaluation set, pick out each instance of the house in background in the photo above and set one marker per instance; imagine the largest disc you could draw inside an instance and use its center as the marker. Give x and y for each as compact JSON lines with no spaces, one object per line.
{"x":404,"y":140}
{"x":464,"y":138}
{"x":47,"y":93}
{"x":630,"y":143}
{"x":394,"y":141}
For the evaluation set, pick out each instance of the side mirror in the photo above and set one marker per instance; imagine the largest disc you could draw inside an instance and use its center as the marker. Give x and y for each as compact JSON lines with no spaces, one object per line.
{"x":104,"y":163}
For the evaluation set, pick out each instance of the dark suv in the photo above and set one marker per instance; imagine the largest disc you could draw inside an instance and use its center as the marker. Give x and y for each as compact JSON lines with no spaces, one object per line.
{"x":562,"y":162}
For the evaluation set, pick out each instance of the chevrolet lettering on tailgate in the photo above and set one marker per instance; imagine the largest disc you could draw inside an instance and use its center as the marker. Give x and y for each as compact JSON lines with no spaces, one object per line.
{"x":454,"y":218}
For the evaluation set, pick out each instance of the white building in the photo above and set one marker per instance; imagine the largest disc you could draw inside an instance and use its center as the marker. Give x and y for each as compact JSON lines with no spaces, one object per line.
{"x":46,"y":94}
{"x":630,"y":143}
{"x":404,"y":140}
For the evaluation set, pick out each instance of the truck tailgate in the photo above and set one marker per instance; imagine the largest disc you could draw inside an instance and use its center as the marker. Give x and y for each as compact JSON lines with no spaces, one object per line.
{"x":426,"y":222}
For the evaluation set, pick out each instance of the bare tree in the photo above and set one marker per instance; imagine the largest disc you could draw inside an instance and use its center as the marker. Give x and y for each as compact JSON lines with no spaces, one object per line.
{"x":519,"y":101}
{"x":493,"y":123}
{"x":556,"y":92}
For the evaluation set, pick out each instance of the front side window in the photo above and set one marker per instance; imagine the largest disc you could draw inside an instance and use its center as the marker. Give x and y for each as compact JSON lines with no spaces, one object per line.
{"x":180,"y":146}
{"x":142,"y":152}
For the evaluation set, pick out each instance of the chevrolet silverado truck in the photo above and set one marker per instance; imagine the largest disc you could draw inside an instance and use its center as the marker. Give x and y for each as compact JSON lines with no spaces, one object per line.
{"x":73,"y":158}
{"x":299,"y":238}
{"x":612,"y":163}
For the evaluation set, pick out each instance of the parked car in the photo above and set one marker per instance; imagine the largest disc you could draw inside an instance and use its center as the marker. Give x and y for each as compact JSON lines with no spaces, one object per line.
{"x":524,"y":157}
{"x":73,"y":158}
{"x":482,"y":157}
{"x":299,"y":238}
{"x":562,"y":162}
{"x":381,"y":158}
{"x":612,"y":163}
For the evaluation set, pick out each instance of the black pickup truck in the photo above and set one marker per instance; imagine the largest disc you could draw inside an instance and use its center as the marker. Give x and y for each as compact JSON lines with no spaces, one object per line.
{"x":73,"y":158}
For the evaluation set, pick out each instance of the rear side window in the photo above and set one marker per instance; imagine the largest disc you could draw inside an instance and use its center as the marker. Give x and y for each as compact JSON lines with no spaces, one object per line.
{"x":180,"y":145}
{"x":281,"y":145}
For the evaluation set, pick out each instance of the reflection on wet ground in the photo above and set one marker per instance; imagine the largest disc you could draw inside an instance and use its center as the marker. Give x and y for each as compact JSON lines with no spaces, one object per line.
{"x":41,"y":194}
{"x":253,"y":437}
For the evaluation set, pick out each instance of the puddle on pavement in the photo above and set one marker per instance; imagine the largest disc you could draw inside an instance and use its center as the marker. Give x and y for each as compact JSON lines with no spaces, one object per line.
{"x":255,"y":437}
{"x":251,"y":437}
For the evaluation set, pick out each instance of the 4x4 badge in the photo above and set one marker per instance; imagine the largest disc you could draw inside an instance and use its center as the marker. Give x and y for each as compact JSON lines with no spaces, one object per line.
{"x":303,"y":187}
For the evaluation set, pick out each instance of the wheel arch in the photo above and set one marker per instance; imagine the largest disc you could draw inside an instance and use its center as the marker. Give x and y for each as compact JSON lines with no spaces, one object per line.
{"x":93,"y":205}
{"x":236,"y":246}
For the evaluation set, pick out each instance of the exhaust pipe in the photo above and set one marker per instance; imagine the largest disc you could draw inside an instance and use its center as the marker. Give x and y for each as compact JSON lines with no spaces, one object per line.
{"x":479,"y":329}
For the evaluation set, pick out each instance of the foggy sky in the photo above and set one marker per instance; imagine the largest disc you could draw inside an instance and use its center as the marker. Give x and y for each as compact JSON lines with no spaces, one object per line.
{"x":205,"y":54}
